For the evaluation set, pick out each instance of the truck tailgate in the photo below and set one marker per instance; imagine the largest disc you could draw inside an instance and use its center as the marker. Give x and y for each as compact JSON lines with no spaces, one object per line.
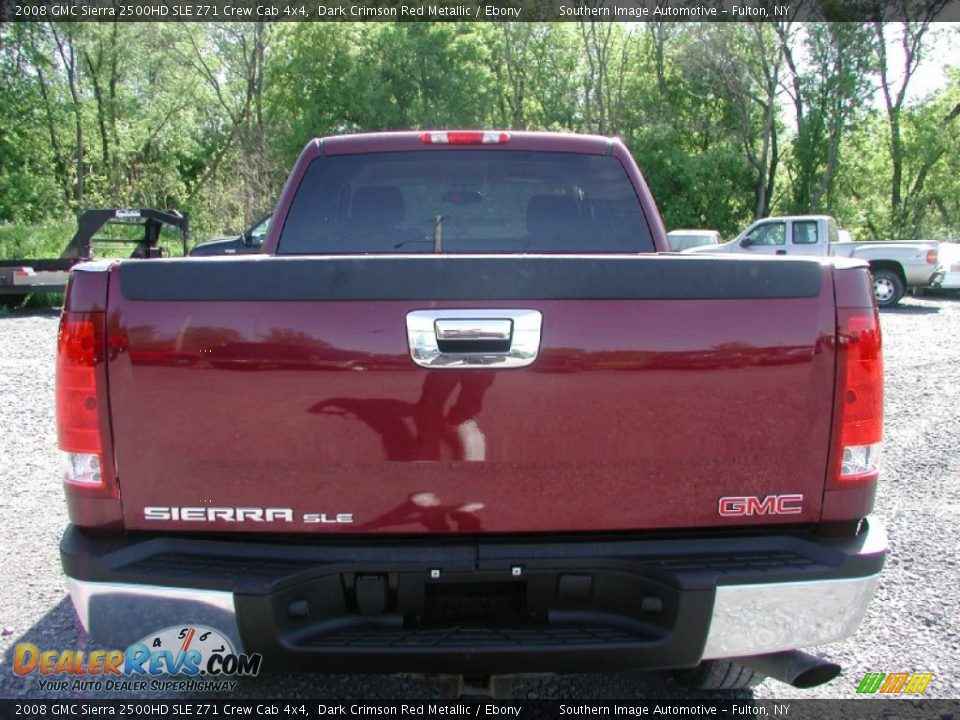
{"x":279,"y":394}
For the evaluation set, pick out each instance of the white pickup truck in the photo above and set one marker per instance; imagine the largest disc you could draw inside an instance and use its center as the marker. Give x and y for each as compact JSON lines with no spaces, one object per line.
{"x":896,"y":266}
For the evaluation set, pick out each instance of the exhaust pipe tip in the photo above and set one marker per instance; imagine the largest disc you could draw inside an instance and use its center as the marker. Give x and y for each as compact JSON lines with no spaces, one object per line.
{"x":818,"y":675}
{"x":794,"y":667}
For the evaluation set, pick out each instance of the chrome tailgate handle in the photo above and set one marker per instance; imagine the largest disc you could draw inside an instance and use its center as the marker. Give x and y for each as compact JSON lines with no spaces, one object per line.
{"x":478,"y":329}
{"x":459,"y":339}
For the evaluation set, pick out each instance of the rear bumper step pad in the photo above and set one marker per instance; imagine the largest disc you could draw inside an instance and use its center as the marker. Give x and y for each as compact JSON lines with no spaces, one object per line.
{"x":481,"y":606}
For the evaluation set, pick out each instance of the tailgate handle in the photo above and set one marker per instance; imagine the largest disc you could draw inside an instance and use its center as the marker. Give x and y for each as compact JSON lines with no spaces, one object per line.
{"x":462,"y":335}
{"x":460,"y":339}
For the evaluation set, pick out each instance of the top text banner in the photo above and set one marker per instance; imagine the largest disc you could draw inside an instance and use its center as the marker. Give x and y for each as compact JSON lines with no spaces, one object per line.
{"x":479,"y":10}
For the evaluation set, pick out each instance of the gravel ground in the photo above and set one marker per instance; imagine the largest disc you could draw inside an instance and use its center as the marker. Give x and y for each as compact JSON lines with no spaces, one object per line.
{"x":912,"y":624}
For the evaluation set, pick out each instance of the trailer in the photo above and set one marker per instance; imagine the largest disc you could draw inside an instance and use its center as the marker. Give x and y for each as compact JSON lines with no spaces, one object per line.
{"x":21,"y":277}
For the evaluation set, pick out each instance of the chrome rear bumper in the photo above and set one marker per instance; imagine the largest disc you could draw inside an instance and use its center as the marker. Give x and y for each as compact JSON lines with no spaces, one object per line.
{"x":761,"y":618}
{"x":746,"y":618}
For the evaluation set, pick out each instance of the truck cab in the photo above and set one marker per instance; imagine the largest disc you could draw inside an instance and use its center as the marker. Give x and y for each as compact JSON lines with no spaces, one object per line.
{"x":803,"y":235}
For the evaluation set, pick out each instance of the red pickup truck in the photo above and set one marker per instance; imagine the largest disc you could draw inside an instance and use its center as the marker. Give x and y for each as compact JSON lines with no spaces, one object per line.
{"x":466,"y":414}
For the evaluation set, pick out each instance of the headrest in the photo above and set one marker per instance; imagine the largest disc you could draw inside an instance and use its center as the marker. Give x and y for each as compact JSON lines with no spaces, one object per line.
{"x":550,"y":213}
{"x":378,"y":205}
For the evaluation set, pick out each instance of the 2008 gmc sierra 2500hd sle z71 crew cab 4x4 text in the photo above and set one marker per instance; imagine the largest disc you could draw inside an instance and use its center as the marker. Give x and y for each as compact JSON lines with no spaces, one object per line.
{"x":465,"y":414}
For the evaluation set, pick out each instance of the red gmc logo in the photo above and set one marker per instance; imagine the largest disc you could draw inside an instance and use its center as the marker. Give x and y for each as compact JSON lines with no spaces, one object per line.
{"x":739,"y":506}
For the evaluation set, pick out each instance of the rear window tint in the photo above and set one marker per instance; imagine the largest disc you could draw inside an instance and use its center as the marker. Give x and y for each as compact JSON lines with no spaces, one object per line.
{"x":465,"y":202}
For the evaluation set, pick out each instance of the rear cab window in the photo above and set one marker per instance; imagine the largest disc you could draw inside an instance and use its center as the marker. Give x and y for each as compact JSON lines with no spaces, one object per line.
{"x":805,"y":232}
{"x":462,"y":201}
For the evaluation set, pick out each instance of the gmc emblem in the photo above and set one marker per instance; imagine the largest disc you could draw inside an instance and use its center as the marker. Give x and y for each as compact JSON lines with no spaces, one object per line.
{"x":739,"y":506}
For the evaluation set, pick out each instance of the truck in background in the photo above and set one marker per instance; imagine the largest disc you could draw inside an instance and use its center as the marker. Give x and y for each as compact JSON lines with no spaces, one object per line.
{"x":895,"y":266}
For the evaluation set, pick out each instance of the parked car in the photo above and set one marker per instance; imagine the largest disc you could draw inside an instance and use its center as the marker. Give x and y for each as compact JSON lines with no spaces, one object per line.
{"x":249,"y":241}
{"x":896,"y":266}
{"x":460,"y":417}
{"x":682,"y":239}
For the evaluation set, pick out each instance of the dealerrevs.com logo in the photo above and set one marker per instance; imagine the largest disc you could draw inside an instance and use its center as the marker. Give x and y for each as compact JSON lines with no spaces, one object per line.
{"x":178,"y":658}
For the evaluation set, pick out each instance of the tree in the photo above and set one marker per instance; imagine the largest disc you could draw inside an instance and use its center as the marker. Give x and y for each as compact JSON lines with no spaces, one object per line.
{"x":230,"y":59}
{"x":828,"y":96}
{"x":607,"y":49}
{"x":684,"y":132}
{"x":743,"y":63}
{"x":208,"y":117}
{"x":910,"y":37}
{"x":33,"y":163}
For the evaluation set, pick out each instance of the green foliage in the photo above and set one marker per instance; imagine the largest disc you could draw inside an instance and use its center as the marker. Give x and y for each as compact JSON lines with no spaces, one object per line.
{"x":44,"y":240}
{"x":829,"y":98}
{"x":42,"y":300}
{"x":726,"y":120}
{"x":930,"y":205}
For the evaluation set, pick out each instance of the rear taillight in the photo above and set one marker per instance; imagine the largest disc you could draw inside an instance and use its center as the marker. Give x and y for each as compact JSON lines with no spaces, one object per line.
{"x":860,"y":395}
{"x":932,"y":257}
{"x":465,"y":137}
{"x":80,"y":356}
